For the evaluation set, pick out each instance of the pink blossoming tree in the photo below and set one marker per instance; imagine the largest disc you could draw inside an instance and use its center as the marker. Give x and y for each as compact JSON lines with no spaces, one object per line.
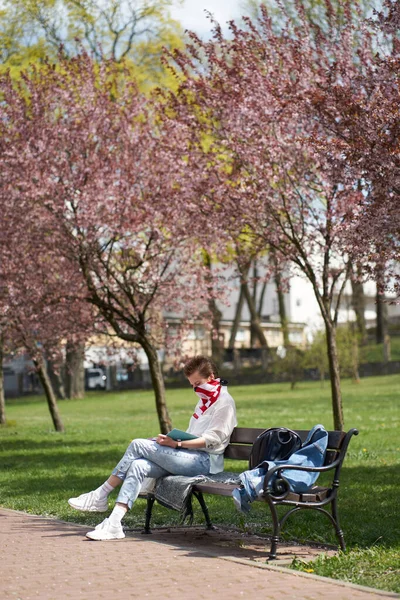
{"x":356,"y":108}
{"x":92,"y":154}
{"x":42,"y":301}
{"x":260,"y":170}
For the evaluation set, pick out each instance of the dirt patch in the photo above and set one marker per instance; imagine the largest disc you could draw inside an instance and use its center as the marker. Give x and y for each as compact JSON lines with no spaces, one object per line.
{"x":230,"y":542}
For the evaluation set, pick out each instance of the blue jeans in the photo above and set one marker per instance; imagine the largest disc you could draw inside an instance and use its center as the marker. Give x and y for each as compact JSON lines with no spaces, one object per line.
{"x":146,"y":458}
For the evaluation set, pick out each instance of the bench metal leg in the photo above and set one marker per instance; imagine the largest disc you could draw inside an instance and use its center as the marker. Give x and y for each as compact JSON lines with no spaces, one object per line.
{"x":149,"y":508}
{"x":276,"y":529}
{"x":204,"y":508}
{"x":278,"y":525}
{"x":338,"y":530}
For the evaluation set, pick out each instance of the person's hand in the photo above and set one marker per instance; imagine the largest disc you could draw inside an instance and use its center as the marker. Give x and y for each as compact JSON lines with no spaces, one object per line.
{"x":164,"y":440}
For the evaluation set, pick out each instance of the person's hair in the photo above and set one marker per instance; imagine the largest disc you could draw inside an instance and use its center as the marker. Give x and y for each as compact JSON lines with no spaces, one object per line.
{"x":204,"y":365}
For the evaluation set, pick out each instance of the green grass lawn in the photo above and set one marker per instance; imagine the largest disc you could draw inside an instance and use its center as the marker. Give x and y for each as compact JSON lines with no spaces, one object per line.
{"x":374,"y":352}
{"x":40,"y":469}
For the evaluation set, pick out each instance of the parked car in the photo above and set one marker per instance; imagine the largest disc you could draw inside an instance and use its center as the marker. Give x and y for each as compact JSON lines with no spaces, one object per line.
{"x":95,"y":379}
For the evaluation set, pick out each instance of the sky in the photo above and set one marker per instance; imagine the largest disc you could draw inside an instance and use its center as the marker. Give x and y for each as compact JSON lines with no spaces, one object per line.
{"x":191,"y":13}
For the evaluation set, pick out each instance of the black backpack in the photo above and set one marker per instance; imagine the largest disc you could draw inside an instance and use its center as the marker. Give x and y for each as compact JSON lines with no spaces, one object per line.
{"x":276,"y":443}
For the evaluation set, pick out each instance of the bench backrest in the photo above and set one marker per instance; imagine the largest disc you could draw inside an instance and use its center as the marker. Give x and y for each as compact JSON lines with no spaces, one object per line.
{"x":242,"y":439}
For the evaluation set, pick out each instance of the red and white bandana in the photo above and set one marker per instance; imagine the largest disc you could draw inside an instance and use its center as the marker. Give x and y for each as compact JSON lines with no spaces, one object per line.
{"x":208,"y":393}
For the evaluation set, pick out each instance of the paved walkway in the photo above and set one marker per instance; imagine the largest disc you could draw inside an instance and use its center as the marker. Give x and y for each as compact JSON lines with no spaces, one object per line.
{"x":51,"y":560}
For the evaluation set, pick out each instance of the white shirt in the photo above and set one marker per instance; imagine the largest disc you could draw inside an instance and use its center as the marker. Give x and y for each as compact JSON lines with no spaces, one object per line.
{"x":215,"y":425}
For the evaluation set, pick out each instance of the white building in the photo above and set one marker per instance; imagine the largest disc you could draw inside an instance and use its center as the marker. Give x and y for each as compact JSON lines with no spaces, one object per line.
{"x":302,"y":312}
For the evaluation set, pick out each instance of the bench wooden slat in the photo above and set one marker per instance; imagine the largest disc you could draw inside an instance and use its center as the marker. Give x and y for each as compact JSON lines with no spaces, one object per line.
{"x":244,"y":435}
{"x":242,"y":439}
{"x":330,"y":457}
{"x":335,"y":439}
{"x":220,"y":489}
{"x":237,"y":452}
{"x":316,"y":494}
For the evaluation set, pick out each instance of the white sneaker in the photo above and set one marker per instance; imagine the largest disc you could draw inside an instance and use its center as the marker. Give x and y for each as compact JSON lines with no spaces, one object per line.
{"x":89,"y":503}
{"x":106,"y":531}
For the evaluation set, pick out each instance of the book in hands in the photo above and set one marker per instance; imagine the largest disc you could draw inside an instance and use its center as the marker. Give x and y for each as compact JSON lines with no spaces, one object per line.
{"x":181,"y":436}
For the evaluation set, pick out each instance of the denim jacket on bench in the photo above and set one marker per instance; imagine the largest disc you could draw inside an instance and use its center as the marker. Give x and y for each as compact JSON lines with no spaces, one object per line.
{"x":311,"y":454}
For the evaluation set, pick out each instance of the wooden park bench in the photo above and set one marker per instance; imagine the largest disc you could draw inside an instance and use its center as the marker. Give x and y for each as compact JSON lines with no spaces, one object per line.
{"x":317,"y":498}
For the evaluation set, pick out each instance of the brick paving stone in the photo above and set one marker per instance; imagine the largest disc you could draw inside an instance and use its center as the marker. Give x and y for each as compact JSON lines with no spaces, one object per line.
{"x":46,"y":559}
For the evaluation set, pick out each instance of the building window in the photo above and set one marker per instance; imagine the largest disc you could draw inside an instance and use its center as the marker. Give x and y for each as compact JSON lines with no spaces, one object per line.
{"x":296,"y":337}
{"x":240,"y":335}
{"x":196,"y":334}
{"x":173,"y":331}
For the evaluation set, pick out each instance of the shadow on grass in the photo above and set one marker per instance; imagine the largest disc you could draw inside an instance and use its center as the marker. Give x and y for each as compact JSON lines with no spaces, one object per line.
{"x":33,"y":456}
{"x":42,"y":475}
{"x":368,"y":500}
{"x":37,"y":465}
{"x":34,"y":446}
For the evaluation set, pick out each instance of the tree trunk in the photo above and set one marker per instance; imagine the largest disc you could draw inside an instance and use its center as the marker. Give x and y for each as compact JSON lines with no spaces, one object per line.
{"x":217,"y":345}
{"x":333,"y":360}
{"x":355,"y":360}
{"x":3,"y":420}
{"x":50,"y":395}
{"x":254,"y":318}
{"x":358,"y":300}
{"x":112,"y":378}
{"x":158,"y":385}
{"x":381,"y":318}
{"x":56,"y":381}
{"x":264,"y":358}
{"x":261,"y":300}
{"x":75,"y":372}
{"x":386,"y":349}
{"x":282,"y":310}
{"x":236,"y":321}
{"x":237,"y":363}
{"x":253,"y":334}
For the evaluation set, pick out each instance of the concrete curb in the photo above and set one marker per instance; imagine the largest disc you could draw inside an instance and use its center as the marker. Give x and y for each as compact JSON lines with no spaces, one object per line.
{"x":339,"y":582}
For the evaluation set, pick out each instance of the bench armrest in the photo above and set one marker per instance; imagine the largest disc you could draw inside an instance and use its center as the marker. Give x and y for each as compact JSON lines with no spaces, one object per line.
{"x":284,"y":482}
